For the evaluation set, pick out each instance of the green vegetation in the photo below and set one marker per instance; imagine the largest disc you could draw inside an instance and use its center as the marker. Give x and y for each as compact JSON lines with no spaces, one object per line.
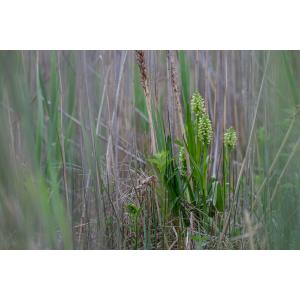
{"x":149,"y":150}
{"x":193,"y":200}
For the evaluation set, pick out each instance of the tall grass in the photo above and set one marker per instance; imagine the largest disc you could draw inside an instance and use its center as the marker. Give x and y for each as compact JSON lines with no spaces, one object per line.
{"x":109,"y":150}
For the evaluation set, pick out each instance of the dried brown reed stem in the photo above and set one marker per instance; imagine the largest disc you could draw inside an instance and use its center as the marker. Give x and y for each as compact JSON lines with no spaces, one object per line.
{"x":140,"y":57}
{"x":225,"y":92}
{"x":174,"y":84}
{"x":174,"y":80}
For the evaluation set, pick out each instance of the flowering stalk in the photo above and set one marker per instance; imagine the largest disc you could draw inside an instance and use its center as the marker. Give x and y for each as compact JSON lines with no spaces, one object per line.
{"x":198,"y":107}
{"x":182,"y":162}
{"x":204,"y":135}
{"x":230,"y":140}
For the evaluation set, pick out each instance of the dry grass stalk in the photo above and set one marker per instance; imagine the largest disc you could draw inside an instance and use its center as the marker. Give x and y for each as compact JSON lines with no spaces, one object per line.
{"x":174,"y":80}
{"x":140,"y":56}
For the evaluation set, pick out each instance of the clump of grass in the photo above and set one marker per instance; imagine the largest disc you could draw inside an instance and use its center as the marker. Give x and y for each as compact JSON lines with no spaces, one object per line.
{"x":191,"y":197}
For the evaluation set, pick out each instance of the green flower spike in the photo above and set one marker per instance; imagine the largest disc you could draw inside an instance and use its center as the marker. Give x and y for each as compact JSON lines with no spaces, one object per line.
{"x":205,"y":131}
{"x":230,"y":138}
{"x":197,"y":103}
{"x":182,"y":162}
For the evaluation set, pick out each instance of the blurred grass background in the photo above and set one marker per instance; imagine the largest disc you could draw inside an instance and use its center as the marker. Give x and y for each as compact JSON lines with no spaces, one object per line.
{"x":74,"y":140}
